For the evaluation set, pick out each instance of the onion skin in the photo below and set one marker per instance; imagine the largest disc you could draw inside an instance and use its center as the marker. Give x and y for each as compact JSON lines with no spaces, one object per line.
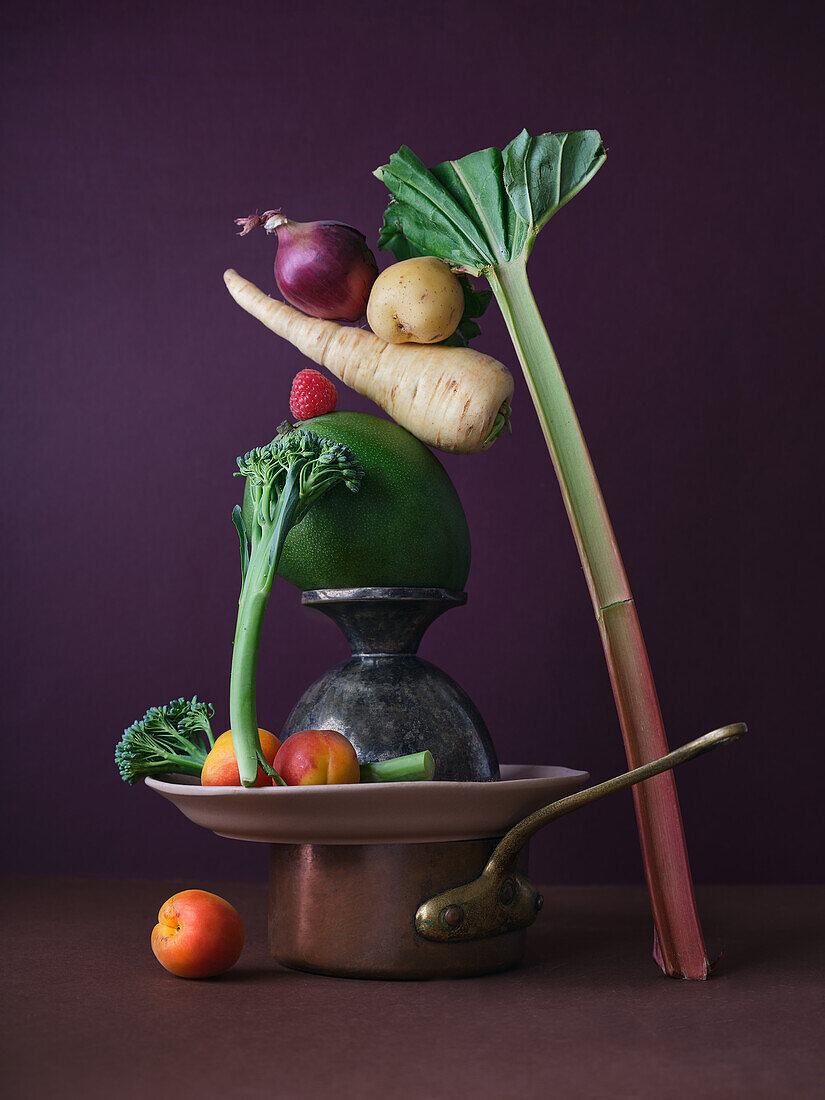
{"x":324,"y":268}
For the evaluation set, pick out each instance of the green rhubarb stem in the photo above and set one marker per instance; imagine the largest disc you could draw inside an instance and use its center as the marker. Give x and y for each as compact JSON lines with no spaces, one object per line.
{"x":401,"y":769}
{"x":678,"y":943}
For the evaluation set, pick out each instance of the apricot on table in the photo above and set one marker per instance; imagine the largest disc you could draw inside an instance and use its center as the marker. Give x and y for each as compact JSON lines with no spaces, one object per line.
{"x":313,"y":757}
{"x":198,"y":935}
{"x":220,"y":768}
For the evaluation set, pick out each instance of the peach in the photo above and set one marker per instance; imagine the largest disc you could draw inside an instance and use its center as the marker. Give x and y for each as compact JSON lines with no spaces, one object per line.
{"x":220,"y":768}
{"x":317,"y":756}
{"x":198,"y":935}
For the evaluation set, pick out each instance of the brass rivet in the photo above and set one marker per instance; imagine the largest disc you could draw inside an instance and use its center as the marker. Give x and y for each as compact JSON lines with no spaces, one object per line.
{"x":539,"y":901}
{"x":507,"y":892}
{"x":453,"y":915}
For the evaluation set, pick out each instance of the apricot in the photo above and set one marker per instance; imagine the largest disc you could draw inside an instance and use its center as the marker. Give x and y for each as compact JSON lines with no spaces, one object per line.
{"x":317,"y":756}
{"x":198,"y":935}
{"x":220,"y":768}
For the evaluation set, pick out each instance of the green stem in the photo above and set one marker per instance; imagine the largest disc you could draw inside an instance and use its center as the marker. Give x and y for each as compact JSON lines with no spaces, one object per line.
{"x":243,"y":714}
{"x":267,"y":769}
{"x":678,"y":946}
{"x":200,"y":740}
{"x":175,"y":765}
{"x":401,"y":769}
{"x":187,"y":745}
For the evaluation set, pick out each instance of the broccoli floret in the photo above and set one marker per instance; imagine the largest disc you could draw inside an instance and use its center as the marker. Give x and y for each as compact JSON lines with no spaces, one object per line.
{"x":173,"y":738}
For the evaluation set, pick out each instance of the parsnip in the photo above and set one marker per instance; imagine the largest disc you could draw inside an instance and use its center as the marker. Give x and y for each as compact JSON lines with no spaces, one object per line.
{"x":455,"y":399}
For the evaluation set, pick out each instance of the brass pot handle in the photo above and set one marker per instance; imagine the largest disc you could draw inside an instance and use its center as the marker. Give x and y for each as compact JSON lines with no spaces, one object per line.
{"x":501,"y":899}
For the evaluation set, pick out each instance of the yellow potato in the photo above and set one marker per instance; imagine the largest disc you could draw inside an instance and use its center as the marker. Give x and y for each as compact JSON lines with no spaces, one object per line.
{"x":416,"y":301}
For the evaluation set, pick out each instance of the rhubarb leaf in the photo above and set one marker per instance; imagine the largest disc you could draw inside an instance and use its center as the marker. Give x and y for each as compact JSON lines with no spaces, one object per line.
{"x":542,"y":173}
{"x":486,"y":208}
{"x":476,"y":183}
{"x":429,"y":216}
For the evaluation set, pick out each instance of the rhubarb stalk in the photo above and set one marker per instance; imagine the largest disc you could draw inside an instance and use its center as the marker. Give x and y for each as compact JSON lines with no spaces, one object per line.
{"x":482,"y":213}
{"x":678,"y":945}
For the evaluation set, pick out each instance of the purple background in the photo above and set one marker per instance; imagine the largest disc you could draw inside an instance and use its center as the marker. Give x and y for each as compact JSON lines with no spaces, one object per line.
{"x":679,"y":290}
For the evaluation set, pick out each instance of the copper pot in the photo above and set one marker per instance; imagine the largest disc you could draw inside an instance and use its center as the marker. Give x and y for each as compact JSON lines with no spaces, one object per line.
{"x":349,"y":909}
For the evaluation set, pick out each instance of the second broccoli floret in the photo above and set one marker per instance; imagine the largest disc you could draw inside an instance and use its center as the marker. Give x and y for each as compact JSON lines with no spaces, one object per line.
{"x":285,"y":479}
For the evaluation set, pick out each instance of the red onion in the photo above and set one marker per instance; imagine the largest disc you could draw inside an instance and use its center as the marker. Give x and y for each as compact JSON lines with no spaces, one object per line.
{"x":322,"y":268}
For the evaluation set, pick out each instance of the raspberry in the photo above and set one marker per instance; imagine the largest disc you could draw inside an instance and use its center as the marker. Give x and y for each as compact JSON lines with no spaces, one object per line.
{"x":312,"y":395}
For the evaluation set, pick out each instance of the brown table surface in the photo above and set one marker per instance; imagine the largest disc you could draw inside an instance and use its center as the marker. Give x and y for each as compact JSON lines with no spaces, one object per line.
{"x":88,"y":1012}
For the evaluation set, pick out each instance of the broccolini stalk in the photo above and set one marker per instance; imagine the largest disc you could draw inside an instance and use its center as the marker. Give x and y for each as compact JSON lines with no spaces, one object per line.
{"x":285,"y":479}
{"x":173,"y":738}
{"x":481,"y":214}
{"x":400,"y":769}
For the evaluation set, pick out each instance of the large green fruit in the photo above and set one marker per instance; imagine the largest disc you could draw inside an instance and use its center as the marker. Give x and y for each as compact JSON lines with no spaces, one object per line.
{"x":404,"y":527}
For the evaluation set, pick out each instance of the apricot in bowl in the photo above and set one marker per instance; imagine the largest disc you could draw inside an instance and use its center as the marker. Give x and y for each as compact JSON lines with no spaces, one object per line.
{"x":220,"y":768}
{"x":313,"y":757}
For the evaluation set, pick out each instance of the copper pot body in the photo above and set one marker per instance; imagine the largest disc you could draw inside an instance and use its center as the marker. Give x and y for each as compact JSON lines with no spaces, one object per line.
{"x":348,"y":909}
